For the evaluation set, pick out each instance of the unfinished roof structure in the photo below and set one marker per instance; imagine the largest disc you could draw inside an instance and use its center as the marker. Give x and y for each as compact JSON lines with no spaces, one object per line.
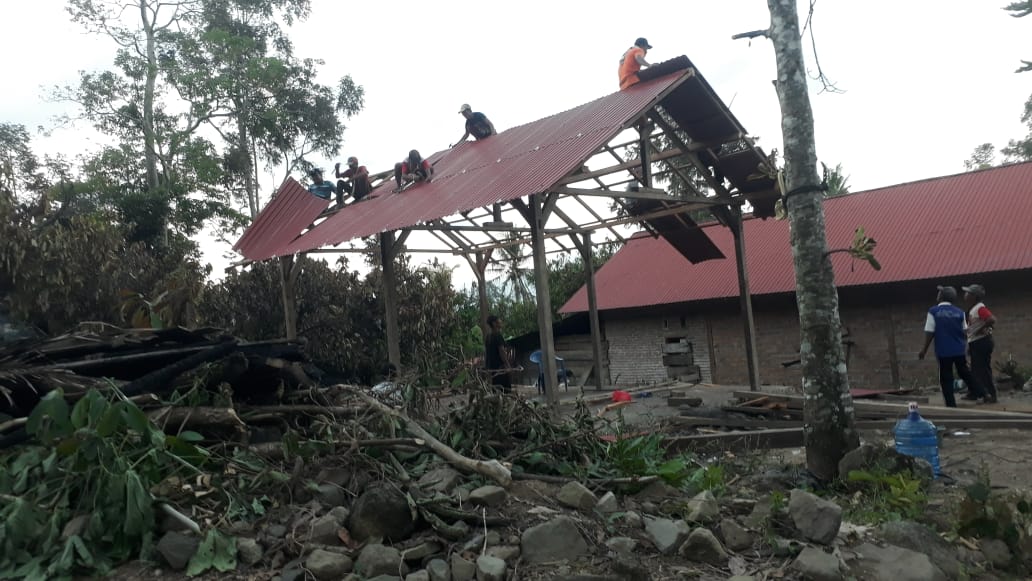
{"x":503,"y":190}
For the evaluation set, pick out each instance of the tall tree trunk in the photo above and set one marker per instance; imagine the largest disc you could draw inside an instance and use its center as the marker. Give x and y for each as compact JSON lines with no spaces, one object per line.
{"x":828,"y":408}
{"x":150,"y":152}
{"x":244,"y":145}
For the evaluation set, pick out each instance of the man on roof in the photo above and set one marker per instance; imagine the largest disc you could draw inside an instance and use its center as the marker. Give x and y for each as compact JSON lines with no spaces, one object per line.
{"x":412,"y":169}
{"x":477,"y":124}
{"x":357,"y":184}
{"x":319,"y":186}
{"x":633,"y":61}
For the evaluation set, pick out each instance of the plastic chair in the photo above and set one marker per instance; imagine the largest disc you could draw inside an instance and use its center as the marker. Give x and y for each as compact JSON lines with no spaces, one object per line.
{"x":535,"y":358}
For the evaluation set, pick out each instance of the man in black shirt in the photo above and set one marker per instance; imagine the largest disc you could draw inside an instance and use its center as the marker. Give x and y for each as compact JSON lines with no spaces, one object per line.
{"x":477,"y":125}
{"x":496,"y":357}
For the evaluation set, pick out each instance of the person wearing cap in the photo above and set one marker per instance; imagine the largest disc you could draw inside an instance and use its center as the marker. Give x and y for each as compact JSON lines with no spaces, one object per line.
{"x":412,"y":169}
{"x":319,"y":186}
{"x":946,"y":325}
{"x":477,"y":124}
{"x":980,"y":321}
{"x":633,"y":61}
{"x":358,"y":184}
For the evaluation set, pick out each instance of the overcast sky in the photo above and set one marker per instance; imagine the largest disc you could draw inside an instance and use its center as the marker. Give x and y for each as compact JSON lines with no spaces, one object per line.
{"x":924,"y":82}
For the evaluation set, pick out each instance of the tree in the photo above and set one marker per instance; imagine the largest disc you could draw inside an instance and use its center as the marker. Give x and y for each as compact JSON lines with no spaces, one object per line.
{"x":982,"y":157}
{"x":1019,"y":10}
{"x":830,"y":430}
{"x":1021,"y":149}
{"x":513,"y":280}
{"x":837,"y":181}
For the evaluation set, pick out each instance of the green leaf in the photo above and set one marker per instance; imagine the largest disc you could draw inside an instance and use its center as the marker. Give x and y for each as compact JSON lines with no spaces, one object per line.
{"x":217,"y":551}
{"x":136,"y":419}
{"x":112,"y":420}
{"x":50,"y":418}
{"x":138,"y":511}
{"x":188,"y":436}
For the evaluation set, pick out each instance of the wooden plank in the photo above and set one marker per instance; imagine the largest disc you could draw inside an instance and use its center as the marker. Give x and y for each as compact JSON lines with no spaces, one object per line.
{"x":687,"y":420}
{"x":736,"y":441}
{"x":893,"y":409}
{"x":684,"y":401}
{"x":751,"y":354}
{"x":902,"y":398}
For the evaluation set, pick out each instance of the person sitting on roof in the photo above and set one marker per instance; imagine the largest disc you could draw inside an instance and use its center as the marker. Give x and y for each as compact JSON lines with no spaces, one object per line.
{"x":358,"y":184}
{"x":319,"y":186}
{"x":477,"y":125}
{"x":413,"y":169}
{"x":633,"y":61}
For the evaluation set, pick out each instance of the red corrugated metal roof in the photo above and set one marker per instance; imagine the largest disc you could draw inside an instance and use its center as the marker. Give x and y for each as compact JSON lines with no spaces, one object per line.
{"x":518,"y":162}
{"x":969,"y":223}
{"x":282,"y":219}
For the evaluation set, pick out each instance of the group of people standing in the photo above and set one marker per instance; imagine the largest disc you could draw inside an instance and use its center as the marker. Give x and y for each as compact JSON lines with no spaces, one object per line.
{"x":959,"y":334}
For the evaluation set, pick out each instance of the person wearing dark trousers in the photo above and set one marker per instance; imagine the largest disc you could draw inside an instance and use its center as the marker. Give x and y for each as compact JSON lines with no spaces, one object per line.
{"x":412,"y":169}
{"x":980,"y":322}
{"x":946,"y":325}
{"x":497,"y":360}
{"x":358,"y":184}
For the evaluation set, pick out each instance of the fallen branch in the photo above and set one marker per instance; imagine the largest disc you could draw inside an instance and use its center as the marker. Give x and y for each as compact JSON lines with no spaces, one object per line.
{"x":276,"y":451}
{"x":180,"y":417}
{"x":490,"y":468}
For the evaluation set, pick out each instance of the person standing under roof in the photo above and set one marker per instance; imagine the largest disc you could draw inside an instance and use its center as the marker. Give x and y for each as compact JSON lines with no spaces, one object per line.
{"x":477,"y":125}
{"x":413,"y":169}
{"x":497,"y":359}
{"x":633,"y":61}
{"x":319,"y":186}
{"x":980,"y":322}
{"x":358,"y":184}
{"x":946,"y":325}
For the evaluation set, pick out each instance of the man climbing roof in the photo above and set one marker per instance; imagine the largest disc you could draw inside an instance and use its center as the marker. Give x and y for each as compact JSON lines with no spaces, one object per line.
{"x":477,"y":124}
{"x":358,"y":184}
{"x":319,"y":186}
{"x":633,"y":61}
{"x":412,"y":169}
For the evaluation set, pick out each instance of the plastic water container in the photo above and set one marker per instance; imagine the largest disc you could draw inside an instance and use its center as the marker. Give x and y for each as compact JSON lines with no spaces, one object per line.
{"x":917,"y":437}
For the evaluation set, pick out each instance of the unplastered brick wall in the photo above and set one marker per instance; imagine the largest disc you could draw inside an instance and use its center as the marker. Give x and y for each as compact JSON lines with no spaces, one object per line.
{"x":636,"y":344}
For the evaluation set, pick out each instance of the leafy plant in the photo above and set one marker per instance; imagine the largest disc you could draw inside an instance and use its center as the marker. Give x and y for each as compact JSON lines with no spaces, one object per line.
{"x":982,"y":514}
{"x":1017,"y":374}
{"x":887,"y":496}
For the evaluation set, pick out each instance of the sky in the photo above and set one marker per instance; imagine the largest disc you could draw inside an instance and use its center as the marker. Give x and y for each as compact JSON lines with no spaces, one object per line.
{"x":924,"y":83}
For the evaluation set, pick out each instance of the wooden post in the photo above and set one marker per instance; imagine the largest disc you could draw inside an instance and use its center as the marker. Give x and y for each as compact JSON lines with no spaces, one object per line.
{"x":480,"y":269}
{"x":390,"y":297}
{"x":737,"y":226}
{"x":596,"y":330}
{"x":645,"y":152}
{"x":890,"y":335}
{"x":544,"y":299}
{"x":290,"y":270}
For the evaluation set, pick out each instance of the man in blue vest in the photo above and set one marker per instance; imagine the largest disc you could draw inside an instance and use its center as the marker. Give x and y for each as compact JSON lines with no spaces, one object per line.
{"x":946,"y":324}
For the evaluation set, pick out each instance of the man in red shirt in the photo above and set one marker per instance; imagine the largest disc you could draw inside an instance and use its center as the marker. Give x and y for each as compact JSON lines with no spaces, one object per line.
{"x":980,"y":322}
{"x":413,"y":169}
{"x":633,"y":61}
{"x":358,"y":184}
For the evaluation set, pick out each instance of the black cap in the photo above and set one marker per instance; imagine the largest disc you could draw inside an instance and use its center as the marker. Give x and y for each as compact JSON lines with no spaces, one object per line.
{"x":314,"y":171}
{"x":642,"y":43}
{"x":947,"y":293}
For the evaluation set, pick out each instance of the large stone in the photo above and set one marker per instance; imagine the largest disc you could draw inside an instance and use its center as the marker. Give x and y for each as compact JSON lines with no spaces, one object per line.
{"x":461,"y":569}
{"x":818,"y":520}
{"x":736,"y":537}
{"x":554,"y":540}
{"x":418,"y":576}
{"x":894,"y":564}
{"x":997,"y":553}
{"x":621,"y":545}
{"x":384,"y":578}
{"x":420,"y":551}
{"x":882,"y":459}
{"x":506,"y":553}
{"x":378,"y":560}
{"x":703,"y":508}
{"x":324,"y":530}
{"x":702,"y":546}
{"x":177,"y":549}
{"x":631,"y":519}
{"x":667,"y":534}
{"x":490,"y":568}
{"x":249,"y":551}
{"x":920,"y":538}
{"x":439,"y":570}
{"x":488,"y":496}
{"x":442,"y":479}
{"x":761,"y":514}
{"x":381,"y":512}
{"x":607,"y":504}
{"x":816,"y":565}
{"x":327,"y":565}
{"x":576,"y":495}
{"x":658,"y":490}
{"x":330,"y":494}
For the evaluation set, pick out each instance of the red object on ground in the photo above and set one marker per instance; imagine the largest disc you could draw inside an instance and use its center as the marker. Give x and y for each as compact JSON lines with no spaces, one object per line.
{"x":620,"y":395}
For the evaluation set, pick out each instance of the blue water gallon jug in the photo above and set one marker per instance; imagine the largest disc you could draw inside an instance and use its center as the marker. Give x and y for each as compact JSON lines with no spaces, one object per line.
{"x":917,"y":437}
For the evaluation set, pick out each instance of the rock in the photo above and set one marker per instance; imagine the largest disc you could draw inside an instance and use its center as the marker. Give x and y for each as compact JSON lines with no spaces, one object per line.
{"x":658,"y":490}
{"x":781,"y":479}
{"x":621,"y":545}
{"x":461,"y":569}
{"x":327,"y":565}
{"x":340,"y":513}
{"x":667,"y":534}
{"x":997,"y":553}
{"x":276,"y":531}
{"x":383,"y":512}
{"x":493,"y":538}
{"x":630,"y":568}
{"x":439,"y":570}
{"x":872,"y":458}
{"x":735,"y":536}
{"x":177,"y":549}
{"x":760,"y":515}
{"x":816,"y":565}
{"x":506,"y":553}
{"x":816,"y":519}
{"x":378,"y":560}
{"x":385,"y":578}
{"x":462,"y":494}
{"x":632,"y":519}
{"x":554,"y":540}
{"x":742,"y":578}
{"x":918,"y":537}
{"x":418,"y":576}
{"x":330,"y":494}
{"x":323,"y":530}
{"x":420,"y":551}
{"x":607,"y":504}
{"x":490,"y":568}
{"x":576,"y":495}
{"x":703,"y":546}
{"x":488,"y":496}
{"x":249,"y":551}
{"x":785,"y":547}
{"x":895,"y":564}
{"x":443,"y":479}
{"x":703,"y":508}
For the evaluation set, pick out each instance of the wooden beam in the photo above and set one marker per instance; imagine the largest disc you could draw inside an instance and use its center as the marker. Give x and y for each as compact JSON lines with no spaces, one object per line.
{"x":861,"y":407}
{"x":544,"y":302}
{"x":596,"y":328}
{"x":737,"y":441}
{"x":642,"y":194}
{"x":745,"y":299}
{"x":689,"y":421}
{"x":390,"y":298}
{"x":580,"y":177}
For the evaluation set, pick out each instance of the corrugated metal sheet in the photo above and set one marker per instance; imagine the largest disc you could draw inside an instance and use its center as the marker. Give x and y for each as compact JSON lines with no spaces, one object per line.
{"x":518,"y":162}
{"x":970,"y":223}
{"x":679,"y":230}
{"x":282,"y":219}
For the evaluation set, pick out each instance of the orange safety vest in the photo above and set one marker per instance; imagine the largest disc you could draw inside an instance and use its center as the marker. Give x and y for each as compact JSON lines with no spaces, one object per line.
{"x":629,"y":66}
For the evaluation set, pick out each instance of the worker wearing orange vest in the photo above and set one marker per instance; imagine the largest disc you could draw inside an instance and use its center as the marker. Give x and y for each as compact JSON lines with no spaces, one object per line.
{"x":632,"y":61}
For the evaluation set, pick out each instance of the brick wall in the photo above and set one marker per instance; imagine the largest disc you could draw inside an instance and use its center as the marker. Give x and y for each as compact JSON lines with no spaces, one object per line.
{"x":636,"y":344}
